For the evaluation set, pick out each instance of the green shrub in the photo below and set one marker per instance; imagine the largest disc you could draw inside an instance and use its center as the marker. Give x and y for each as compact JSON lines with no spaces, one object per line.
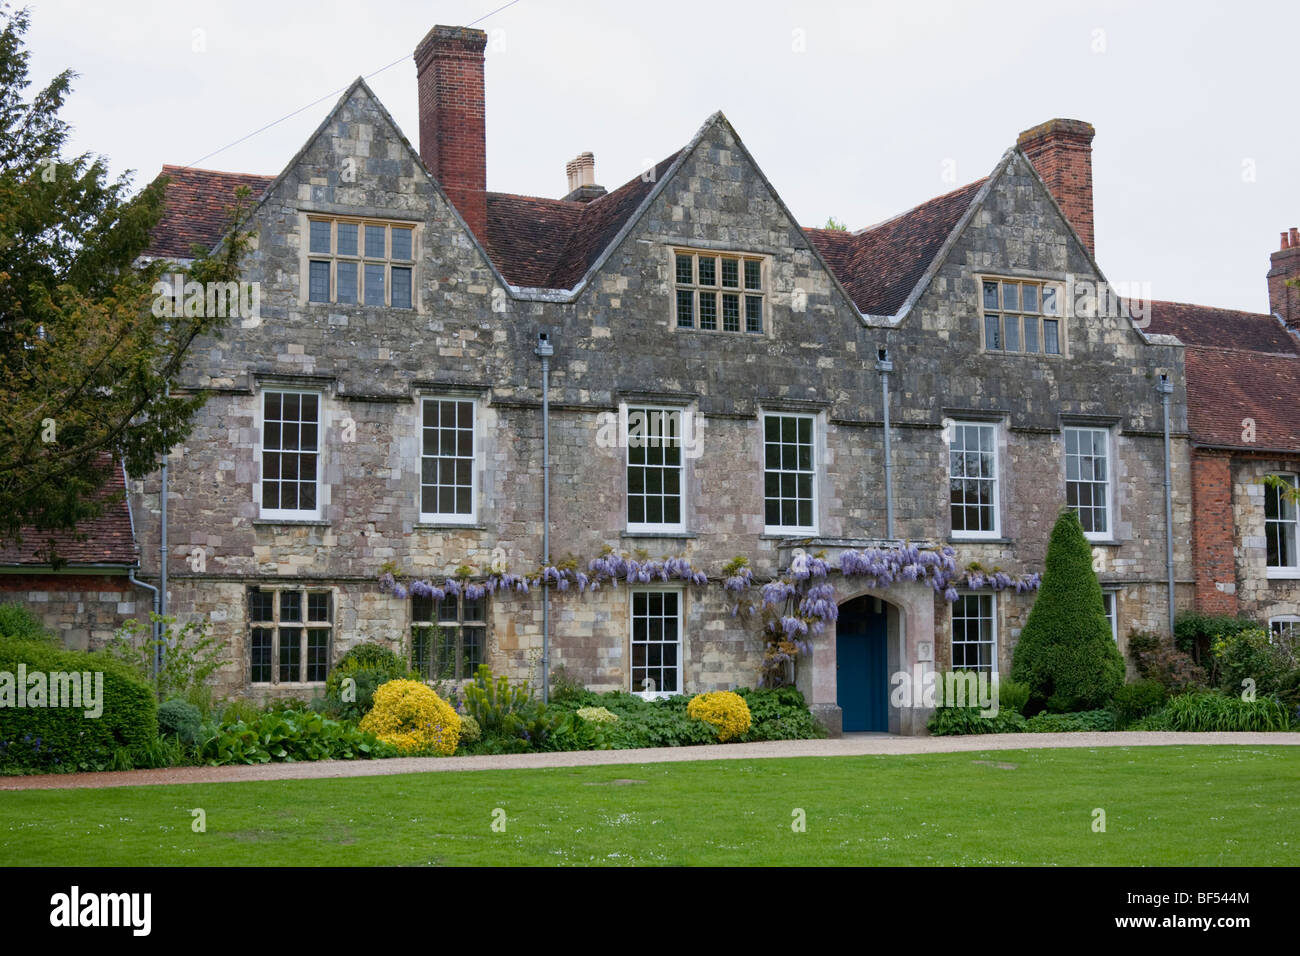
{"x":190,"y":656}
{"x":1134,"y":701}
{"x":368,"y":666}
{"x":290,"y":736}
{"x":1288,"y":694}
{"x":1245,"y":655}
{"x":180,"y":719}
{"x":958,"y":721}
{"x":1065,"y":653}
{"x":779,"y":713}
{"x":1213,"y":712}
{"x":1013,"y":696}
{"x":19,"y":624}
{"x":1173,"y":669}
{"x":499,"y":707}
{"x":564,"y":687}
{"x":63,"y":738}
{"x":1080,"y":721}
{"x":470,"y":732}
{"x":233,"y":711}
{"x":1195,"y":632}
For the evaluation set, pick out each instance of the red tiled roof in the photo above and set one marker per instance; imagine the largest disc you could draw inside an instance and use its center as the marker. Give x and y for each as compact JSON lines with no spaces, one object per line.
{"x":103,"y":540}
{"x":881,"y":265}
{"x":1226,"y":386}
{"x":1221,"y":328}
{"x":195,"y":208}
{"x":526,"y":235}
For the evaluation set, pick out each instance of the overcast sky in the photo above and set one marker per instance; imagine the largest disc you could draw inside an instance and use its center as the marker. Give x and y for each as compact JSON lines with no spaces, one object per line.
{"x":854,"y":110}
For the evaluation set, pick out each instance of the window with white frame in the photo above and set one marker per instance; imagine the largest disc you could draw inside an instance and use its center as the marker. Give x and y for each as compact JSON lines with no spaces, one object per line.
{"x":1110,"y":602}
{"x":973,"y":480}
{"x":290,"y":635}
{"x":717,"y":292}
{"x":1285,"y":629}
{"x":448,"y":448}
{"x":656,"y":642}
{"x":974,"y":633}
{"x":1087,"y":479}
{"x":1019,"y":315}
{"x":789,"y":473}
{"x":655,"y":470}
{"x":448,"y":638}
{"x":290,"y":454}
{"x":360,"y":262}
{"x":1280,"y":525}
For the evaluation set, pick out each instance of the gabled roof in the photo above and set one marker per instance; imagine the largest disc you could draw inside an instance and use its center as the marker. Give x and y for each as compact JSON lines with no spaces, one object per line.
{"x":107,"y":539}
{"x":880,"y":266}
{"x":195,"y":208}
{"x":1240,"y":365}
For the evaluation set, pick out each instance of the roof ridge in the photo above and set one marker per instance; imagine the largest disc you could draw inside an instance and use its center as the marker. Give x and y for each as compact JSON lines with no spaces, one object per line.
{"x":907,"y":212}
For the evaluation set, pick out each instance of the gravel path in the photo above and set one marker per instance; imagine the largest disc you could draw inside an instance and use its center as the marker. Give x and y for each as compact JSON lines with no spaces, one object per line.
{"x":848,"y":745}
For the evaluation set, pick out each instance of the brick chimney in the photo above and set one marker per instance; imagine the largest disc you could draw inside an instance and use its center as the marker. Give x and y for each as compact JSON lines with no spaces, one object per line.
{"x":1061,"y":151}
{"x":1283,"y":299}
{"x":581,"y":172}
{"x":453,"y":139}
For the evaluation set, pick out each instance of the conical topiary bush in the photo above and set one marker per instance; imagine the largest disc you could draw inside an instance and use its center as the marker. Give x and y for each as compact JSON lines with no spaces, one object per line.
{"x":1066,"y":654}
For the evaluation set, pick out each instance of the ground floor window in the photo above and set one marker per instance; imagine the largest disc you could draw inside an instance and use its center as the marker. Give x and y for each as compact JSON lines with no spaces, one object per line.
{"x":974,"y":633}
{"x":1110,"y":601}
{"x":448,"y":636}
{"x":1286,"y":627}
{"x":656,"y":642}
{"x":290,"y":635}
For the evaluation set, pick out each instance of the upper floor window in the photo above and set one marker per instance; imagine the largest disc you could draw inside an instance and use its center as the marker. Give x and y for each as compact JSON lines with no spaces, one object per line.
{"x":1280,"y":525}
{"x":353,"y":262}
{"x":973,"y":480}
{"x":448,"y":638}
{"x":655,"y":498}
{"x":974,"y":633}
{"x":290,"y":635}
{"x":290,"y":454}
{"x":719,"y":293}
{"x":789,"y":473}
{"x":1087,"y":479}
{"x":1021,"y":316}
{"x":447,"y":460}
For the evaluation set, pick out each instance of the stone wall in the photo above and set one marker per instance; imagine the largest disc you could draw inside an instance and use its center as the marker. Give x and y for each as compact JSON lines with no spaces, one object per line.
{"x":82,"y":609}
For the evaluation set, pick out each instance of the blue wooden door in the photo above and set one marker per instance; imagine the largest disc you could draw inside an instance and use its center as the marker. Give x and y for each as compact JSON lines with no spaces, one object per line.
{"x":862,"y":681}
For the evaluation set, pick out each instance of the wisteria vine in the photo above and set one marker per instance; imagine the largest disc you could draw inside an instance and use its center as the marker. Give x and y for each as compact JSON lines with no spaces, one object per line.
{"x":792,"y":608}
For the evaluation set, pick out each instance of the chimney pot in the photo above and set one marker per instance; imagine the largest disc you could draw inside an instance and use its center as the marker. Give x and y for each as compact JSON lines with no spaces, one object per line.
{"x":1283,"y":298}
{"x":1284,"y":241}
{"x":1061,"y":152}
{"x":581,"y":172}
{"x":453,"y":138}
{"x":1295,"y":237}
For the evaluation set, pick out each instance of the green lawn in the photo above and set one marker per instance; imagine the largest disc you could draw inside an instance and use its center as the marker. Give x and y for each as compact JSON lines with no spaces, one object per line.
{"x":1163,"y":805}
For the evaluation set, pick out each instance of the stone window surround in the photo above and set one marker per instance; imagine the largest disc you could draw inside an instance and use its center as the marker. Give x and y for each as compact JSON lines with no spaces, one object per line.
{"x":1282,"y":572}
{"x":275,"y":588}
{"x":1096,"y":537}
{"x":999,"y":447}
{"x":695,"y":252}
{"x":324,"y":421}
{"x":362,"y":218}
{"x":436,"y":519}
{"x":680,"y":592}
{"x":1061,"y":316}
{"x":818,"y":417}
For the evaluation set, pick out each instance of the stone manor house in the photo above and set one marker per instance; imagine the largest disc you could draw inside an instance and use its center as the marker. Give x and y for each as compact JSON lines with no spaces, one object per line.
{"x":382,"y":412}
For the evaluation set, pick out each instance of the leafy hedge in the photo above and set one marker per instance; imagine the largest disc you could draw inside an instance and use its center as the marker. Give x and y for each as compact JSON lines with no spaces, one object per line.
{"x":289,"y":736}
{"x":960,"y":721}
{"x":370,"y":665}
{"x":1078,"y":722}
{"x":63,"y":738}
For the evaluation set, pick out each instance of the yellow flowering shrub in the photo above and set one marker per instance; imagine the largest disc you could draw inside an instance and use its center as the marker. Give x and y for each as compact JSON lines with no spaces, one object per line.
{"x":414,"y":719}
{"x":726,"y":711}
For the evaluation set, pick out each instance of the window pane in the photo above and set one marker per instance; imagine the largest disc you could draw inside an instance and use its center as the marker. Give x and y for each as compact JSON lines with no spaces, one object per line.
{"x":685,"y":269}
{"x":789,"y":472}
{"x":318,"y":281}
{"x":375,"y":242}
{"x":992,"y":340}
{"x":374,"y":284}
{"x":1010,"y":297}
{"x":730,"y":312}
{"x":1030,"y":295}
{"x":1050,"y":344}
{"x":991,"y":296}
{"x":1049,"y":300}
{"x":685,"y":308}
{"x":290,"y":653}
{"x":401,"y":288}
{"x":347,"y":238}
{"x":260,"y":655}
{"x":1031,"y":333}
{"x":753,"y":313}
{"x":1012,"y":328}
{"x":318,"y":662}
{"x":447,"y":464}
{"x":708,"y":270}
{"x":346,"y":275}
{"x":708,"y":310}
{"x":320,"y":237}
{"x":753,"y":274}
{"x":731,"y":273}
{"x":401,"y":242}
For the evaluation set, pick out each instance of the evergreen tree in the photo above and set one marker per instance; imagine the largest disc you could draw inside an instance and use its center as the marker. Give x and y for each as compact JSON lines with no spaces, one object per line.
{"x":1066,"y":653}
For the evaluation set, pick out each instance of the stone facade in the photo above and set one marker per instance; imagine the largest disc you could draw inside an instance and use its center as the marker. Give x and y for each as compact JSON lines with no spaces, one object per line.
{"x":471,"y":335}
{"x":83,"y":610}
